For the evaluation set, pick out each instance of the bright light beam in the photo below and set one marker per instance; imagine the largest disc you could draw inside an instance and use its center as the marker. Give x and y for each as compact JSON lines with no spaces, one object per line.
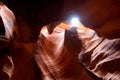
{"x":74,"y":21}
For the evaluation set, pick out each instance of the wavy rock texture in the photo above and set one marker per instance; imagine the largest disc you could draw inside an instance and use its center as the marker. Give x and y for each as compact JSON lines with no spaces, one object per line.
{"x":100,"y":15}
